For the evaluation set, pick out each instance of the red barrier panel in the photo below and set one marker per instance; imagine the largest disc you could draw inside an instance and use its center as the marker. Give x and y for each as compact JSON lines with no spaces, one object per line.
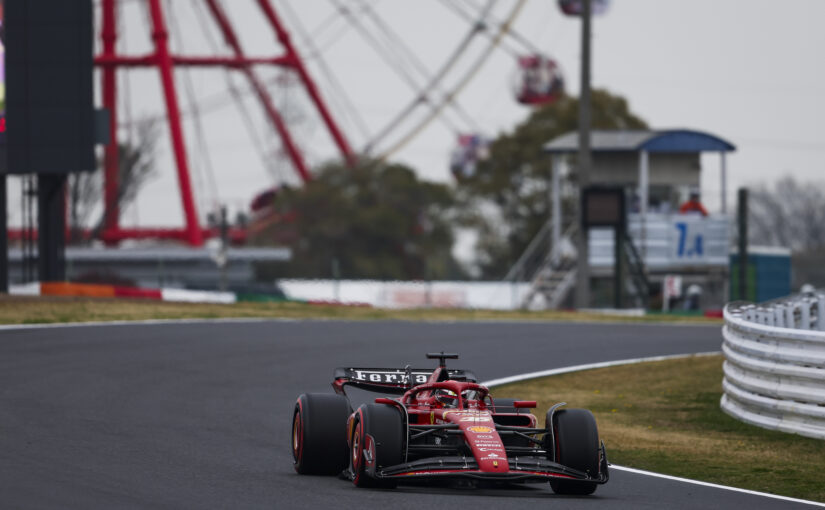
{"x":75,"y":289}
{"x":135,"y":292}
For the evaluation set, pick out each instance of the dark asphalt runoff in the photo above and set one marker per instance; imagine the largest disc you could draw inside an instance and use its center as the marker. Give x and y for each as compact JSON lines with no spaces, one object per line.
{"x":198,"y":415}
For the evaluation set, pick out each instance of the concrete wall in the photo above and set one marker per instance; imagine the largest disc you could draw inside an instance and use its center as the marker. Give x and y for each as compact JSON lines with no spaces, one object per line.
{"x":398,"y":294}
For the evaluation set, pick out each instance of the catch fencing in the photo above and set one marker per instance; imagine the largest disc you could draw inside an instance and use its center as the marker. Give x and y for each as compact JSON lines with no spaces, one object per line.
{"x":775,"y":364}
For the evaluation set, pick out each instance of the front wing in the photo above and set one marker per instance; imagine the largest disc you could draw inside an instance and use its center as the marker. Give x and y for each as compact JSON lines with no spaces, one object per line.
{"x":522,"y":469}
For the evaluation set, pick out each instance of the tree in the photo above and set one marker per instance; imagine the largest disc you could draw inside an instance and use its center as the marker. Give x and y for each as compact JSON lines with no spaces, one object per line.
{"x":371,"y":221}
{"x":507,"y":197}
{"x":791,"y":215}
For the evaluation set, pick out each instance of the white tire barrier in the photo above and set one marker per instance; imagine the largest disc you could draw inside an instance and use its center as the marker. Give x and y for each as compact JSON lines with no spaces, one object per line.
{"x":774,"y":370}
{"x":198,"y":296}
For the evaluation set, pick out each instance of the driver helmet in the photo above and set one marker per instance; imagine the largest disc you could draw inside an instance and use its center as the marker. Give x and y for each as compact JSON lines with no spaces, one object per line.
{"x":446,"y":397}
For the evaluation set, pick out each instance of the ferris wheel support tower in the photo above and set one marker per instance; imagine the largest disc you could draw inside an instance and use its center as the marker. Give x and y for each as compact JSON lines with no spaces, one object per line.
{"x":162,"y":59}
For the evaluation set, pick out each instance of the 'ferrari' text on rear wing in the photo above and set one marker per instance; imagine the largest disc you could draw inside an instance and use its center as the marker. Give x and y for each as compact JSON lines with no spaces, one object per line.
{"x":391,"y":380}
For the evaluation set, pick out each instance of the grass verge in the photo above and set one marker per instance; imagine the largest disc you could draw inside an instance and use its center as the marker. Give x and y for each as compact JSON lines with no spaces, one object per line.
{"x":32,"y":310}
{"x":665,"y":417}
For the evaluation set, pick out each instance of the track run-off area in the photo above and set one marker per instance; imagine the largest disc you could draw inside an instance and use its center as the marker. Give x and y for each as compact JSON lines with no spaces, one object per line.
{"x":197,"y":414}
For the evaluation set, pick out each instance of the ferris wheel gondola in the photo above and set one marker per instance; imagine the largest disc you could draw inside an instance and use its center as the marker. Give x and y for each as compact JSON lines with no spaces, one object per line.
{"x":576,"y":7}
{"x":469,"y":151}
{"x":538,"y":81}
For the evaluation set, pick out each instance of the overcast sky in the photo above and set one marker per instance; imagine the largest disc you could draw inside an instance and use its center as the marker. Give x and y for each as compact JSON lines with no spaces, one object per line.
{"x":748,"y":71}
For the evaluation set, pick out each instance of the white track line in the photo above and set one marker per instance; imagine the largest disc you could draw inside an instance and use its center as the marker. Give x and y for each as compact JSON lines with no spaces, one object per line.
{"x":589,"y":366}
{"x":715,"y":486}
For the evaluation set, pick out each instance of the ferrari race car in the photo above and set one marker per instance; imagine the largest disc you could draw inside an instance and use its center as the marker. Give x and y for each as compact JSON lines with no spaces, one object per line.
{"x":444,"y":425}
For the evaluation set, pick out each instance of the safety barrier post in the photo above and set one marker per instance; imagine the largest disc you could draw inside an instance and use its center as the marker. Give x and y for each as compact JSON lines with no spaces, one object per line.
{"x":779,"y":316}
{"x":805,"y":316}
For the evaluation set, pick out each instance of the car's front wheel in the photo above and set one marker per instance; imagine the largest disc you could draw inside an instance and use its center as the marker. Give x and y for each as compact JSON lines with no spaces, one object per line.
{"x":576,"y":438}
{"x":378,"y":429}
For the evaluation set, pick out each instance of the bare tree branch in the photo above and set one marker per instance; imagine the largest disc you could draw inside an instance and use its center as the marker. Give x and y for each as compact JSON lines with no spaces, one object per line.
{"x":136,"y":167}
{"x":791,"y":214}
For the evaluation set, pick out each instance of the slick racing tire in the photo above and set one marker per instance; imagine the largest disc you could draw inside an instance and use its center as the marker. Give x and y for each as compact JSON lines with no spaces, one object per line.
{"x":385,"y":427}
{"x":319,"y":434}
{"x":576,"y":446}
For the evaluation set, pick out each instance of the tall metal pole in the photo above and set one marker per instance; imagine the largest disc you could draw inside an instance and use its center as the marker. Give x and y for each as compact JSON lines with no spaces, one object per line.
{"x":724,"y":177}
{"x":618,"y":244}
{"x":223,"y":257}
{"x":583,"y":264}
{"x":644,"y":188}
{"x":555,"y":201}
{"x":51,"y":230}
{"x":4,"y":236}
{"x":743,"y":244}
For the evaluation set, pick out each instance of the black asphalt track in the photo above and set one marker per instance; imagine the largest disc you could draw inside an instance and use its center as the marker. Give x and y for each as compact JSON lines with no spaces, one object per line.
{"x":198,"y":415}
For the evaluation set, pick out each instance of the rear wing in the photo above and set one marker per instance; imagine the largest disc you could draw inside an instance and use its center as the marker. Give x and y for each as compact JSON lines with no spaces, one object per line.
{"x":391,"y":380}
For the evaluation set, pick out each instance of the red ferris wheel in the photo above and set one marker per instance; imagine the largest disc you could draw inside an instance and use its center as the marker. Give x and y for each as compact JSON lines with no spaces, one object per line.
{"x":436,"y":90}
{"x":164,"y":61}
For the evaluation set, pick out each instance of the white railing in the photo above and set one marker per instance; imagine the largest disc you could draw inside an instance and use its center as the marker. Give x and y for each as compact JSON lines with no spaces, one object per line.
{"x":775,"y":364}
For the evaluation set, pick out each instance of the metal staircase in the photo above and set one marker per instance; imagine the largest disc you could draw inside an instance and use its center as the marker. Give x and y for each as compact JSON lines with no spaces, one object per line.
{"x":551,"y":270}
{"x":553,"y":283}
{"x":639,"y":285}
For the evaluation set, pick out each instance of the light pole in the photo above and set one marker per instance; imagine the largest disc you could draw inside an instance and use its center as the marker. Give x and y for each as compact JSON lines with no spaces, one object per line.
{"x":583,"y":263}
{"x":4,"y":247}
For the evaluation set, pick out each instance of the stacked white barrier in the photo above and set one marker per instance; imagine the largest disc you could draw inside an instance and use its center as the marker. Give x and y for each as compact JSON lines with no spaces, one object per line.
{"x":775,"y":364}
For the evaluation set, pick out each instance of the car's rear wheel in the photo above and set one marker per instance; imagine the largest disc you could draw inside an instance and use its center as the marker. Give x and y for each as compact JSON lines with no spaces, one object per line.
{"x":380,"y":429}
{"x":576,"y":439}
{"x":319,"y":434}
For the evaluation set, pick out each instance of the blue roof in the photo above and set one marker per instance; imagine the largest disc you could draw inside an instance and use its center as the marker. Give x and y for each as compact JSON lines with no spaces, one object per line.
{"x":667,"y":140}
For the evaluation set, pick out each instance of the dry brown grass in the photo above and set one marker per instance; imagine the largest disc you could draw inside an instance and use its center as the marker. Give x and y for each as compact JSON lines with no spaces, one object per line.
{"x":665,"y":417}
{"x":27,"y":310}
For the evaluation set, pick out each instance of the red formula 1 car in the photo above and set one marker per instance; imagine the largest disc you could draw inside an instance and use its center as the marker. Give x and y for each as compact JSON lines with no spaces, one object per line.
{"x":444,"y":425}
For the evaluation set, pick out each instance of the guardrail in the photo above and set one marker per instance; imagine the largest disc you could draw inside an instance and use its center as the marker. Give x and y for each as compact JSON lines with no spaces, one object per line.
{"x":775,"y":364}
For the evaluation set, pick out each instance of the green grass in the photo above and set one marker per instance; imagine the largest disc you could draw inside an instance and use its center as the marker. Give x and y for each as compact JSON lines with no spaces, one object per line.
{"x":32,"y":310}
{"x":665,"y":417}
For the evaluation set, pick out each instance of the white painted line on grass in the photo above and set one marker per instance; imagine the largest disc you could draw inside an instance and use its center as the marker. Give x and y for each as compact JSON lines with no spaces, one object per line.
{"x":564,"y":370}
{"x":715,"y":486}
